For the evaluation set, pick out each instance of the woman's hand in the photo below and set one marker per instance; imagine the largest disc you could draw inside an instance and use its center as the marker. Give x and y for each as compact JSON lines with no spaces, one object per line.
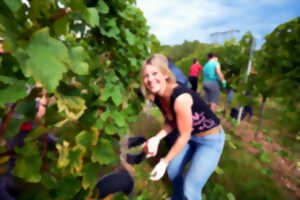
{"x":159,"y":170}
{"x":152,"y":146}
{"x":220,"y":75}
{"x":224,"y":84}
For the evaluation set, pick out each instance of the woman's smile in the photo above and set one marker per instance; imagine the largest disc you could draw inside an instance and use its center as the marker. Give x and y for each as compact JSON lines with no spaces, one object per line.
{"x":154,"y":79}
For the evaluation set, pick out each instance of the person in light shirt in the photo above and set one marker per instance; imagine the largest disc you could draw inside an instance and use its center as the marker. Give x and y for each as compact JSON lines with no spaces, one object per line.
{"x":212,"y":76}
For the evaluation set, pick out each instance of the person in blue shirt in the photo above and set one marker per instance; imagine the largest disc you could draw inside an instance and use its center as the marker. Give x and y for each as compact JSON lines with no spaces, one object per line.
{"x":179,"y":75}
{"x":212,"y":75}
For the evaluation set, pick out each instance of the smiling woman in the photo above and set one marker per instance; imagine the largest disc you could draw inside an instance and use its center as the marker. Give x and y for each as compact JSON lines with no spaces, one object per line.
{"x":155,"y":70}
{"x":200,"y":137}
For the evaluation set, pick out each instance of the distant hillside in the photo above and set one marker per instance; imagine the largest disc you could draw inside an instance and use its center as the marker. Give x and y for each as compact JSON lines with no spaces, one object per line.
{"x":177,"y":52}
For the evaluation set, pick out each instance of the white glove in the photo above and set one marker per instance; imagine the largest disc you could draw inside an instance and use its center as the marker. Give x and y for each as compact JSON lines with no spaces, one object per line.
{"x":152,"y":146}
{"x":159,"y":170}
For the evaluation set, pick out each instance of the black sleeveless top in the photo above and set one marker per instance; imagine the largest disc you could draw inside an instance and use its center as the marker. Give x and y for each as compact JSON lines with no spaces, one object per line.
{"x":203,"y":118}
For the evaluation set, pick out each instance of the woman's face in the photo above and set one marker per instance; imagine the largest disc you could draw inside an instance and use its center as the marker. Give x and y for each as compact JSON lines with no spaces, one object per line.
{"x":154,"y":80}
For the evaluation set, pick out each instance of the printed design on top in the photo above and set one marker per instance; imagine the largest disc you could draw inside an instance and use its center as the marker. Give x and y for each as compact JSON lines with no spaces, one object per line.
{"x":201,"y":123}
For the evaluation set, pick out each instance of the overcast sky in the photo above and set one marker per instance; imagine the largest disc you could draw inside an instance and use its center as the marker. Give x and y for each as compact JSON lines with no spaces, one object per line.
{"x":173,"y":21}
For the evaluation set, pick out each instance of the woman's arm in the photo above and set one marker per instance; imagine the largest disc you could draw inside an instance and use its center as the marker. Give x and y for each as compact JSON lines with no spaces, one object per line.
{"x":164,"y":131}
{"x":42,"y":106}
{"x":219,"y":73}
{"x":184,"y":120}
{"x":153,"y":142}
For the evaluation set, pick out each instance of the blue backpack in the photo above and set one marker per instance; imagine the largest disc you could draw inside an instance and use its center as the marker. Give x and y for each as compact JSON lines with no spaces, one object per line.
{"x":180,"y":77}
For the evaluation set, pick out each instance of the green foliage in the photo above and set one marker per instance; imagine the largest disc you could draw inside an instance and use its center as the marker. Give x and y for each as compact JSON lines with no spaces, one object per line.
{"x":155,"y":45}
{"x":230,"y":196}
{"x":286,"y":154}
{"x":277,"y":64}
{"x":67,"y":187}
{"x":103,"y":153}
{"x":264,"y":157}
{"x":243,"y":174}
{"x":215,"y":192}
{"x":12,"y":90}
{"x":78,"y":57}
{"x":87,"y":56}
{"x":177,"y":52}
{"x":90,"y":175}
{"x":233,"y":56}
{"x":42,"y":57}
{"x":28,"y":163}
{"x":13,"y":128}
{"x":266,"y":171}
{"x":256,"y":145}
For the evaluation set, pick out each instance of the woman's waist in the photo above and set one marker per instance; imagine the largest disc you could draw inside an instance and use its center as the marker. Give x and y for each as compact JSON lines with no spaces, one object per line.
{"x":210,"y":79}
{"x":211,"y":131}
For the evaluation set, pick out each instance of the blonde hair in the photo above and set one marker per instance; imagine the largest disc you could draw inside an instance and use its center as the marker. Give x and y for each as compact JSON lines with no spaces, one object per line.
{"x":162,"y":63}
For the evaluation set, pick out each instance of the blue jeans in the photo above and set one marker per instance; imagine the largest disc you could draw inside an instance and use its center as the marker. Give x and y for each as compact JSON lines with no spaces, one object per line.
{"x":203,"y":154}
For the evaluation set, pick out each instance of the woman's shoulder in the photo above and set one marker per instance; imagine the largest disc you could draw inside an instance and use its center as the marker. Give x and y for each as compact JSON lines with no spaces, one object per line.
{"x":214,"y":62}
{"x":180,"y":90}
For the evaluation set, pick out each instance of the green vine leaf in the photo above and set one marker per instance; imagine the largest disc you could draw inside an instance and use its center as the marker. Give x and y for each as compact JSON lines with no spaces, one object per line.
{"x":72,"y":106}
{"x":88,"y":138}
{"x":106,"y":92}
{"x":78,"y":57}
{"x":113,"y":30}
{"x":9,"y":29}
{"x":37,"y":132}
{"x":13,"y":91}
{"x":102,"y":7}
{"x":130,"y":37}
{"x":44,"y":57}
{"x":75,"y":156}
{"x":61,"y":26}
{"x":93,"y":18}
{"x":230,"y":196}
{"x":28,"y":163}
{"x":13,"y":5}
{"x":67,"y":187}
{"x":103,"y":153}
{"x":90,"y":173}
{"x":115,"y":92}
{"x":63,"y":151}
{"x":116,"y":95}
{"x":119,"y":118}
{"x":264,"y":157}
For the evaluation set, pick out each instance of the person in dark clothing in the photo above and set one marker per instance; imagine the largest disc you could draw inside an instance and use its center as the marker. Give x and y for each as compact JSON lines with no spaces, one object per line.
{"x":200,"y":138}
{"x":247,"y":112}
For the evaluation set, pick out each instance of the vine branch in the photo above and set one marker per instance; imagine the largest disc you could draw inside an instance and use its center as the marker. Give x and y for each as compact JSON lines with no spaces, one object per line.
{"x":7,"y":119}
{"x":63,"y":12}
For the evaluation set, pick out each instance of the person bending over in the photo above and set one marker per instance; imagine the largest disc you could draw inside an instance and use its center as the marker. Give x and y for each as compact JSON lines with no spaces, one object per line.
{"x":200,"y":138}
